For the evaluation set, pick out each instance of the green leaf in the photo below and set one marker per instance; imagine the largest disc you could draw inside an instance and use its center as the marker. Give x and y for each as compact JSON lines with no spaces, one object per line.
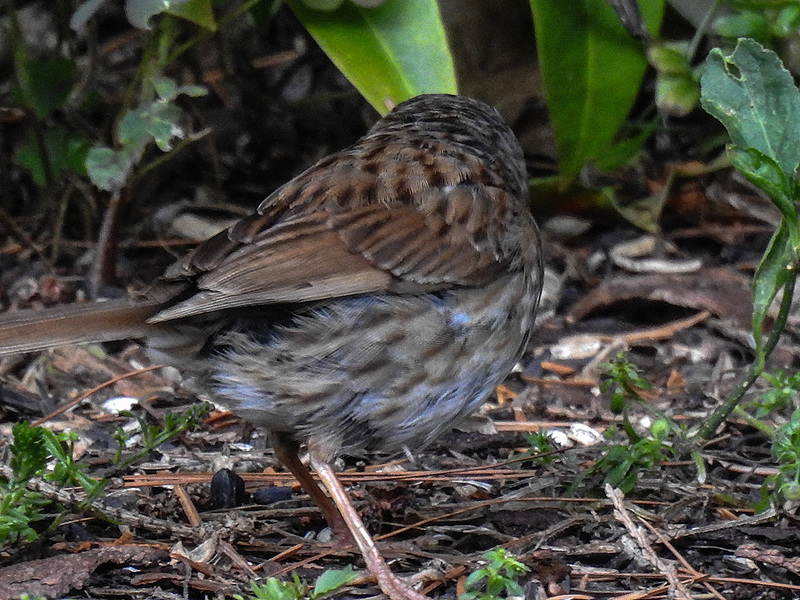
{"x":754,"y":97}
{"x":279,"y":590}
{"x":777,"y":268}
{"x":494,"y":587}
{"x":333,"y":579}
{"x":390,"y":53}
{"x":328,"y":5}
{"x":165,"y":87}
{"x":158,"y":120}
{"x":44,"y":86}
{"x":83,"y":13}
{"x":617,"y":475}
{"x":512,"y":588}
{"x":65,"y":152}
{"x":28,"y":452}
{"x":474,"y":578}
{"x":677,"y":95}
{"x":262,"y":13}
{"x":764,"y":172}
{"x":139,"y":12}
{"x":592,"y":69}
{"x":669,"y":58}
{"x":618,"y":401}
{"x":618,"y":154}
{"x":199,"y":12}
{"x":168,"y":90}
{"x":746,"y":23}
{"x":108,"y":169}
{"x":787,"y":21}
{"x":628,"y":484}
{"x":133,"y":127}
{"x":162,"y":124}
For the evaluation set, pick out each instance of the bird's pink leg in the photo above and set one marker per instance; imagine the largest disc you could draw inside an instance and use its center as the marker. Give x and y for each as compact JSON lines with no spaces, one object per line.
{"x":390,"y":584}
{"x":286,"y":452}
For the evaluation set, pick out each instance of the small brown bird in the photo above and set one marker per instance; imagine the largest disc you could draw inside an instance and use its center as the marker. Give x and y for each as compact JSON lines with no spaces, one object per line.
{"x":370,"y":303}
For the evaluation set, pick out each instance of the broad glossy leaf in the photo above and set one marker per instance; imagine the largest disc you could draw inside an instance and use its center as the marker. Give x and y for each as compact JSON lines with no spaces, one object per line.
{"x":754,"y":97}
{"x":592,"y":70}
{"x":390,"y":53}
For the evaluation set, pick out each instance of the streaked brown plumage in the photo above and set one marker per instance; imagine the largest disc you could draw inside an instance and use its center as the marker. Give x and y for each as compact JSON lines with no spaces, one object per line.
{"x":371,"y":302}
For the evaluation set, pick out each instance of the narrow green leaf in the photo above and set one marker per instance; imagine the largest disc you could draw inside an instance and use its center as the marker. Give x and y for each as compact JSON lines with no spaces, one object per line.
{"x":333,"y":579}
{"x":199,"y":12}
{"x":754,"y":97}
{"x":628,"y":484}
{"x":617,"y":475}
{"x":390,"y":53}
{"x":28,"y":453}
{"x":83,"y":13}
{"x":700,"y":466}
{"x":475,"y":577}
{"x":776,"y":269}
{"x":617,"y":401}
{"x":592,"y":70}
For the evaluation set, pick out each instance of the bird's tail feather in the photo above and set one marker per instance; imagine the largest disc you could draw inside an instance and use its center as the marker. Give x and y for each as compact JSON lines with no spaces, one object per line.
{"x":32,"y":330}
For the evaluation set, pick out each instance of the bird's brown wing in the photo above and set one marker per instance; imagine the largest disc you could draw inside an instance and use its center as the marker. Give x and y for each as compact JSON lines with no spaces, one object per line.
{"x":443,"y":239}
